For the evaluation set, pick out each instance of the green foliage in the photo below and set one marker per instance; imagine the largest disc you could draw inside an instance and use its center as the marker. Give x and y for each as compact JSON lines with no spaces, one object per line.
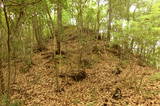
{"x":155,"y":77}
{"x":66,"y":17}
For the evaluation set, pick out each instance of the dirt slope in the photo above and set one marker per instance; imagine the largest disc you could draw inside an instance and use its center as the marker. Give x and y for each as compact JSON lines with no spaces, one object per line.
{"x":36,"y":87}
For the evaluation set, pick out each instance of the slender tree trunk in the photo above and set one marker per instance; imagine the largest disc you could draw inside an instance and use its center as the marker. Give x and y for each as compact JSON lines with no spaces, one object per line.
{"x":109,"y":20}
{"x":51,"y":20}
{"x":132,"y":44}
{"x":9,"y":51}
{"x":15,"y":67}
{"x":16,"y":33}
{"x":80,"y":16}
{"x":0,"y":18}
{"x":154,"y":49}
{"x":58,"y":37}
{"x":141,"y":49}
{"x":98,"y":16}
{"x":37,"y":29}
{"x":2,"y":87}
{"x":59,"y":23}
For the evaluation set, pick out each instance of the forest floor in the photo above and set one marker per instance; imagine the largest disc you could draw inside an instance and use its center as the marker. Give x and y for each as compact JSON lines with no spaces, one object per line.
{"x":138,"y":84}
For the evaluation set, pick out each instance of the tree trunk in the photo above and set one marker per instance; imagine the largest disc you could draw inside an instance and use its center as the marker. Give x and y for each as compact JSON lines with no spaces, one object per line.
{"x":2,"y":87}
{"x":9,"y":51}
{"x":51,"y":22}
{"x":37,"y":29}
{"x":132,"y":45}
{"x":59,"y":23}
{"x":58,"y":40}
{"x":98,"y":16}
{"x":109,"y":20}
{"x":80,"y":16}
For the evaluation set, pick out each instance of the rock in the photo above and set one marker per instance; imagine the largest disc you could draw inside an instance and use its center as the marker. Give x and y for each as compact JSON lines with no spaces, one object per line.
{"x":79,"y":76}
